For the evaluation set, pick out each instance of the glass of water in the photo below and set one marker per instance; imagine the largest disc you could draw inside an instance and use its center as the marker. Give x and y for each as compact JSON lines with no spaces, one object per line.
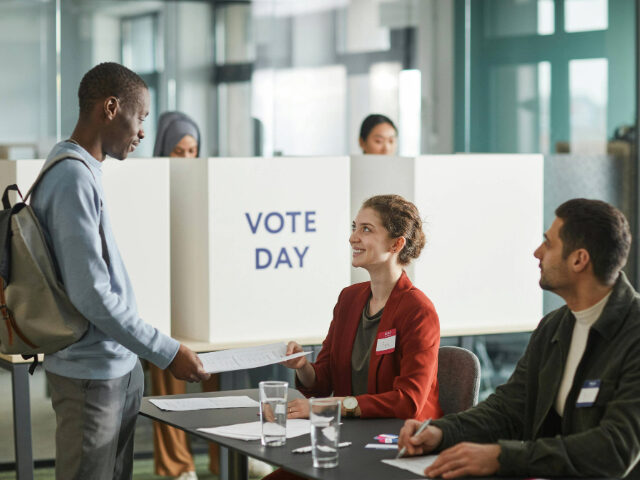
{"x":273,"y":413}
{"x":324,"y":414}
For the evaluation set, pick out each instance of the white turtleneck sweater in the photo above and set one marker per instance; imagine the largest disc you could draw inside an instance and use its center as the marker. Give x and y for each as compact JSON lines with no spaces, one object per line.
{"x":584,"y":320}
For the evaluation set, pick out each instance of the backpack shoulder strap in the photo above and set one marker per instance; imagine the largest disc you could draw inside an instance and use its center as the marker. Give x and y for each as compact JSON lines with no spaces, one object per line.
{"x":53,"y":163}
{"x":72,"y":156}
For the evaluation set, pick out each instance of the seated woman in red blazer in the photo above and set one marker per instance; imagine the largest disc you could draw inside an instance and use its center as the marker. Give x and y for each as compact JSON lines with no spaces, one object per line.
{"x":381,"y":354}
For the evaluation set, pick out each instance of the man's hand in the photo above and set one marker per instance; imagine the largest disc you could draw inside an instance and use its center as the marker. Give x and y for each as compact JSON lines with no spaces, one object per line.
{"x":295,"y":363}
{"x":465,"y":460}
{"x":425,"y":442}
{"x":187,"y":366}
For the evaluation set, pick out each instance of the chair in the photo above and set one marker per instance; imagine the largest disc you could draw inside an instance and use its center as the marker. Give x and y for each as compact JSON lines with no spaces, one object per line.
{"x":458,"y":379}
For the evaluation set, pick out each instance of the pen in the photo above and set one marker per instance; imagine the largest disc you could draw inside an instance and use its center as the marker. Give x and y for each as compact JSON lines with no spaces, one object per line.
{"x":308,"y":449}
{"x":422,"y":428}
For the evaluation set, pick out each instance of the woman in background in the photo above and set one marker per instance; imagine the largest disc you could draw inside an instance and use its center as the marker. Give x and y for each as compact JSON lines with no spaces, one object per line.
{"x":378,"y":135}
{"x":178,"y":136}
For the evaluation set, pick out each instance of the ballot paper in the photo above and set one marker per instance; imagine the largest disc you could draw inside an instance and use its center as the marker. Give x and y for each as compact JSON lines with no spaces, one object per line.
{"x":253,"y":430}
{"x":243,"y":358}
{"x":413,"y":464}
{"x":203,"y":403}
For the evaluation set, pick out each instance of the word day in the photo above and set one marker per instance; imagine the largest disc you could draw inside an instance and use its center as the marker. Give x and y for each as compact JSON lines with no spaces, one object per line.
{"x":273,"y":223}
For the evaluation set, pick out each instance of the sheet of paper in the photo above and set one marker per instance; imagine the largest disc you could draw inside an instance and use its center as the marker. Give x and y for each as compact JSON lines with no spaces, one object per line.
{"x":243,"y":358}
{"x":413,"y":464}
{"x":253,"y":430}
{"x":203,"y":403}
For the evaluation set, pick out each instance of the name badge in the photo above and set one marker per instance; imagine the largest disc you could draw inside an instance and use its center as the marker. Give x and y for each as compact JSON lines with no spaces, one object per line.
{"x":386,"y":342}
{"x":588,"y":393}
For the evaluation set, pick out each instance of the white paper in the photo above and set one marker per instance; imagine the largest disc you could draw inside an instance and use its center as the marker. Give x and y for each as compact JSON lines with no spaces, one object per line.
{"x":253,"y":430}
{"x":202,"y":403}
{"x":413,"y":464}
{"x":243,"y":358}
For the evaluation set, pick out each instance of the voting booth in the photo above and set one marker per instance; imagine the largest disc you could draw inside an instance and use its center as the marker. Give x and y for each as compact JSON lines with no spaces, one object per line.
{"x":137,"y":199}
{"x":244,"y":251}
{"x":483,"y":218}
{"x":259,"y":248}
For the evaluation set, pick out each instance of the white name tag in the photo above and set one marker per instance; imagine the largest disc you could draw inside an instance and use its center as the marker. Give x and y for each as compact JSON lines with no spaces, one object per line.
{"x":588,"y":393}
{"x":386,"y":342}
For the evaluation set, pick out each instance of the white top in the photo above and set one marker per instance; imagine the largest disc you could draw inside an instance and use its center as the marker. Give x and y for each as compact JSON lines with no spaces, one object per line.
{"x":584,"y":320}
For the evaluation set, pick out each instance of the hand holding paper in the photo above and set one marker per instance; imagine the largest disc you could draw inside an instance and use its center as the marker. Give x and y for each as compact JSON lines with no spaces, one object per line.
{"x":244,"y":358}
{"x":294,"y":348}
{"x":187,"y":366}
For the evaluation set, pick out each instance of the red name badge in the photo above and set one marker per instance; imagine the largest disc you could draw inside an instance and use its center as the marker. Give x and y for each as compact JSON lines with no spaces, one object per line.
{"x":386,"y":342}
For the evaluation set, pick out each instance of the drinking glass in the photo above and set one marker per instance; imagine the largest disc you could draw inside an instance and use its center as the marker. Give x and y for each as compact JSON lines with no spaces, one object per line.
{"x":273,"y":413}
{"x":324,"y":414}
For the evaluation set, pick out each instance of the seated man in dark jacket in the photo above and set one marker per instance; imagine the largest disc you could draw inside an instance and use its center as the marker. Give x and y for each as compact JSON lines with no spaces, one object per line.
{"x":572,"y":406}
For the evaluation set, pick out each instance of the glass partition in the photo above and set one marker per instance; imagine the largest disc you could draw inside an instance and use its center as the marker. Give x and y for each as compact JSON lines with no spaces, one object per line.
{"x":326,"y":65}
{"x":569,"y":64}
{"x":28,"y":80}
{"x":555,"y":77}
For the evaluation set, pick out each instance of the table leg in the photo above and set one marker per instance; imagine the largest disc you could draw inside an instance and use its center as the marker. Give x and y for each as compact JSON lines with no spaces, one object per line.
{"x":22,"y":421}
{"x":233,"y":465}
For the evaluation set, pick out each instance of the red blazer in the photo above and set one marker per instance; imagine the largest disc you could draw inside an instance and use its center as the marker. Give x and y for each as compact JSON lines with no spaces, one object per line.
{"x":402,"y":383}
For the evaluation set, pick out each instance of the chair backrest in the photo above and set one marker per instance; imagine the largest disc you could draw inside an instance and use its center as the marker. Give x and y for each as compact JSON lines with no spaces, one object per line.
{"x":458,"y":379}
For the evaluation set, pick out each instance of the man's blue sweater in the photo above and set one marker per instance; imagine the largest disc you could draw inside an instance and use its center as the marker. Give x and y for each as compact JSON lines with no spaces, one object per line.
{"x":69,"y":203}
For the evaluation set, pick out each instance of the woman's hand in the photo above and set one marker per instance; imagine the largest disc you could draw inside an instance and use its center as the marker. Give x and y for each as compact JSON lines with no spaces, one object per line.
{"x":298,"y":408}
{"x":304,"y":370}
{"x":295,"y":363}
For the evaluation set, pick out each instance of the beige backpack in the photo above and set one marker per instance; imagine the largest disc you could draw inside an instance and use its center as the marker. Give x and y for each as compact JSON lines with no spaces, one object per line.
{"x":36,"y":313}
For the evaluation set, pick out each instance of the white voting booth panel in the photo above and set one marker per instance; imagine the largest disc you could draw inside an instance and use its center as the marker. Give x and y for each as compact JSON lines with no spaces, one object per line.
{"x":137,"y":200}
{"x":137,"y":192}
{"x":259,"y":247}
{"x":483,"y":220}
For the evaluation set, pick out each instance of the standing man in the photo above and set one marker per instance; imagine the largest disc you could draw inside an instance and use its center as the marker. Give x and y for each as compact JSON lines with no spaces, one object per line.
{"x":572,"y":406}
{"x":96,"y":383}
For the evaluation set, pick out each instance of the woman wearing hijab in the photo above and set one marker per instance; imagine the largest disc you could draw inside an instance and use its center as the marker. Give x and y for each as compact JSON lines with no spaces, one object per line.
{"x":178,"y":136}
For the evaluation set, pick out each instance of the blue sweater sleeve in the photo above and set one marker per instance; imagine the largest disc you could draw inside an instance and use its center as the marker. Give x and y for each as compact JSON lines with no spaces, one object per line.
{"x":72,"y":213}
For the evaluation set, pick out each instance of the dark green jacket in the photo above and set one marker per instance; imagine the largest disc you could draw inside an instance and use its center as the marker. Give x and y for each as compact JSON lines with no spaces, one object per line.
{"x":598,"y":441}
